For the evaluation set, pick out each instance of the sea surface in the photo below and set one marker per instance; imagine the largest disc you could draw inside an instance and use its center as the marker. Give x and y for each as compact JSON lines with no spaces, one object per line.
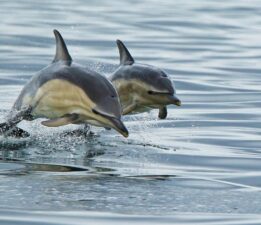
{"x":201,"y":165}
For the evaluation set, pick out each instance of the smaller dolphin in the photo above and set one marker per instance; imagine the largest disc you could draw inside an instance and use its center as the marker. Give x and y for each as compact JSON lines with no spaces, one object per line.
{"x":66,"y":93}
{"x":142,"y":87}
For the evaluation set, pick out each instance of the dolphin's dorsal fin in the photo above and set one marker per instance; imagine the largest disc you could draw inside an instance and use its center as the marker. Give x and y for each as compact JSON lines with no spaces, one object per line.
{"x":125,"y":56}
{"x":62,"y":53}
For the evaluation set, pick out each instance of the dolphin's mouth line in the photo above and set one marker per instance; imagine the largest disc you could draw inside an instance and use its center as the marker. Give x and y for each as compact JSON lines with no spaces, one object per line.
{"x":159,"y":93}
{"x":103,"y":115}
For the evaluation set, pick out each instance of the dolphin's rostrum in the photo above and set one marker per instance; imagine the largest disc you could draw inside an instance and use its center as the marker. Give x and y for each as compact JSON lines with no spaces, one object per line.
{"x":66,"y":93}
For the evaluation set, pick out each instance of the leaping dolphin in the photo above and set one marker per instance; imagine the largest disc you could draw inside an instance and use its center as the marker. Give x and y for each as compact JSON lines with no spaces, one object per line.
{"x":66,"y":93}
{"x":142,"y":87}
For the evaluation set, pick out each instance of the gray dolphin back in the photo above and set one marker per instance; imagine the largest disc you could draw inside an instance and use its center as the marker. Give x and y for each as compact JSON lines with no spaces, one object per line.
{"x":97,"y":88}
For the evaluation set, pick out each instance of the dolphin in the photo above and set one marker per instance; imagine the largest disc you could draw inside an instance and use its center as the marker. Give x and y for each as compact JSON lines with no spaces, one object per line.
{"x":66,"y":93}
{"x":142,"y":87}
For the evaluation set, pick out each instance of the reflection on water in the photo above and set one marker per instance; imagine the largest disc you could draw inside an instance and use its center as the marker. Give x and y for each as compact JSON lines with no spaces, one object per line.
{"x":72,"y":217}
{"x":204,"y":158}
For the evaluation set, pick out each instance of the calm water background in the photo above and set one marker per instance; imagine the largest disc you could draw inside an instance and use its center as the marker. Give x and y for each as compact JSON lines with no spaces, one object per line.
{"x":200,"y":165}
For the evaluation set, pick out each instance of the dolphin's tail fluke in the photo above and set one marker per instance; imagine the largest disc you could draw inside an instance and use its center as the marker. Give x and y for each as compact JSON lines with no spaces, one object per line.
{"x":3,"y":127}
{"x":11,"y":130}
{"x":6,"y":127}
{"x":9,"y":127}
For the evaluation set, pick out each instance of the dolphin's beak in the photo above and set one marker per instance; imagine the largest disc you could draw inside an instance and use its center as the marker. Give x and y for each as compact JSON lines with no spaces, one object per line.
{"x":174,"y":100}
{"x":119,"y":126}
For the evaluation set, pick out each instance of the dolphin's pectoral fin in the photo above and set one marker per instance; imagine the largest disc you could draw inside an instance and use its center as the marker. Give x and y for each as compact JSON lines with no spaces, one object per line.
{"x":125,"y":56}
{"x":163,"y":112}
{"x":65,"y":120}
{"x":62,"y":53}
{"x":129,"y":108}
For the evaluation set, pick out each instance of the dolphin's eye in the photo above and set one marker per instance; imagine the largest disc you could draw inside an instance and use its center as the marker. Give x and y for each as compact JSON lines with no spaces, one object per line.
{"x":150,"y":92}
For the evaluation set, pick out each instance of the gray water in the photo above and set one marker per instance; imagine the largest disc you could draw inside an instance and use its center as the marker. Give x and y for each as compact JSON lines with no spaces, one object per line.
{"x":202,"y":165}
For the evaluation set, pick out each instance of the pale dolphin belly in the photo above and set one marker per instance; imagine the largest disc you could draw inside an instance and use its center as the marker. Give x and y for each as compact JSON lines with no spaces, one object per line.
{"x":58,"y":97}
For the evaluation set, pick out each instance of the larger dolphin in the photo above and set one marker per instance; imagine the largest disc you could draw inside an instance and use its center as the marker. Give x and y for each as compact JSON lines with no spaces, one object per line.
{"x":142,"y":87}
{"x":66,"y":93}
